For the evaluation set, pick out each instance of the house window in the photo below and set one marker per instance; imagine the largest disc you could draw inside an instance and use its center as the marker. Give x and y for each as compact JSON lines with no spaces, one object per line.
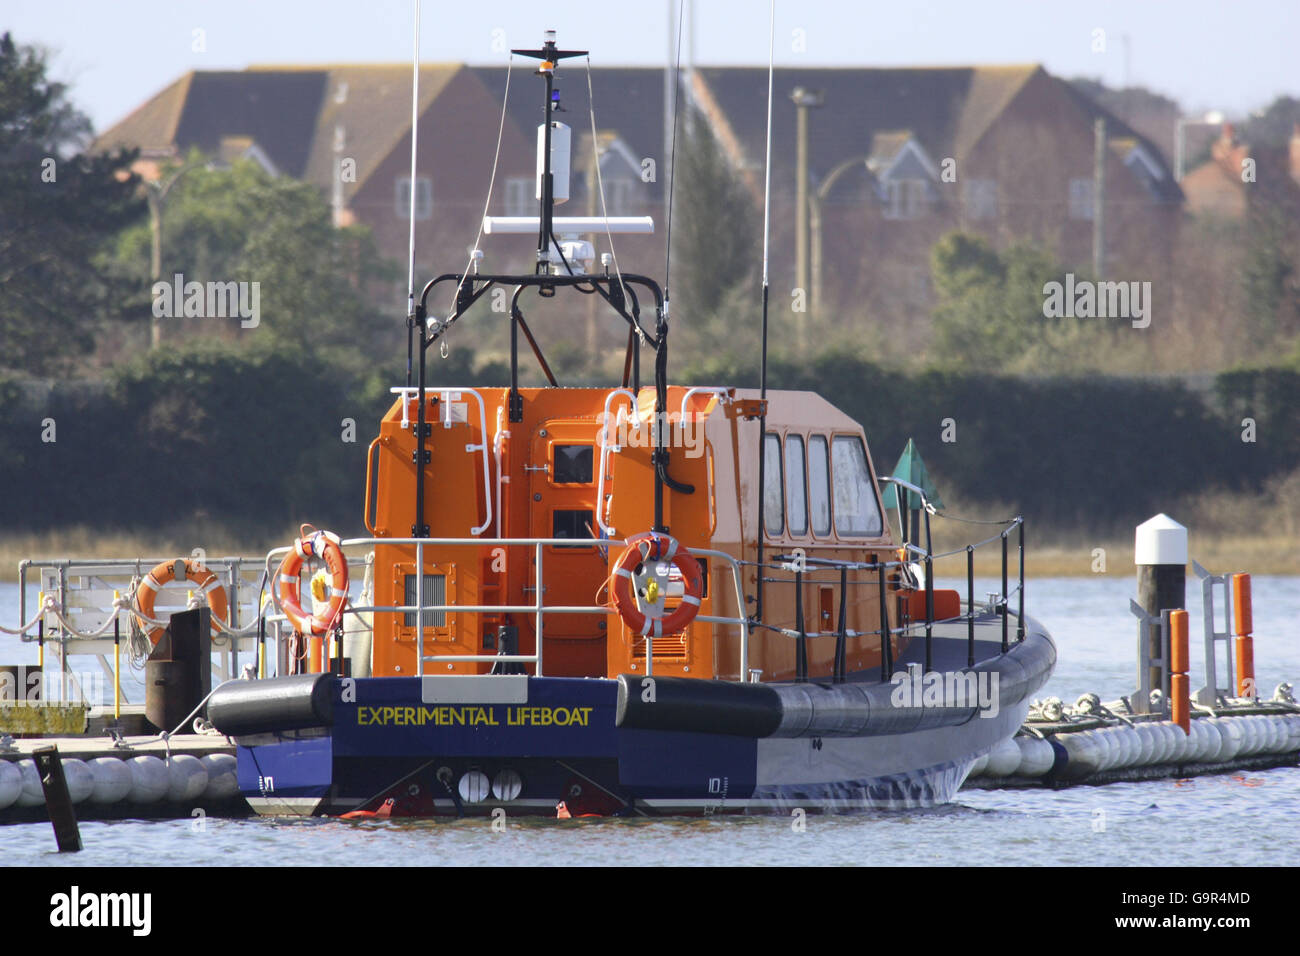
{"x":423,"y":197}
{"x":857,"y":514}
{"x":620,"y":195}
{"x":906,"y":198}
{"x":980,"y":198}
{"x":819,"y":484}
{"x":521,"y":196}
{"x":796,"y":500}
{"x":773,"y":504}
{"x":1081,"y":198}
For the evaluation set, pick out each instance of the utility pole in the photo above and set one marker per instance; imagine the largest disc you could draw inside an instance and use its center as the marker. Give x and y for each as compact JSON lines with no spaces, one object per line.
{"x":804,"y":100}
{"x":1099,"y":199}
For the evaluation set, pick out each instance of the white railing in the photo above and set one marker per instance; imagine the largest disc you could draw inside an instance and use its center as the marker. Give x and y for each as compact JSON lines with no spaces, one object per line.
{"x":88,"y":621}
{"x":538,"y":608}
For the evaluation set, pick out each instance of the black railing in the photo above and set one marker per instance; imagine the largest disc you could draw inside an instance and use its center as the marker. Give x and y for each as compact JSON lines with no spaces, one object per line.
{"x":804,"y":566}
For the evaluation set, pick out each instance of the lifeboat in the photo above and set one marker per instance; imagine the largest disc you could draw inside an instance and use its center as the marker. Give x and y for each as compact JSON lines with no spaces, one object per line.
{"x":640,"y":599}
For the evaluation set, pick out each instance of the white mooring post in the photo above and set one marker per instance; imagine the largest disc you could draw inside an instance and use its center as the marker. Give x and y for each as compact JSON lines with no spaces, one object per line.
{"x":1161,"y":559}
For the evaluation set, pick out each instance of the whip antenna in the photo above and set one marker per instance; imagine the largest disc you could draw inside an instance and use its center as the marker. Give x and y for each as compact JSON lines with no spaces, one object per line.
{"x":762,"y":381}
{"x":672,"y":157}
{"x":410,"y":268}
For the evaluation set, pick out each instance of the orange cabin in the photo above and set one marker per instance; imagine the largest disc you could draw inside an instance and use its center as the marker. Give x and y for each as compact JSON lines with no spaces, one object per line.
{"x":578,"y":466}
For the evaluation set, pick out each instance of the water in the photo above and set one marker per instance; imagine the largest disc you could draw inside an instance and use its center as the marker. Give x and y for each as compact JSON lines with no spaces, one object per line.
{"x":1243,"y":819}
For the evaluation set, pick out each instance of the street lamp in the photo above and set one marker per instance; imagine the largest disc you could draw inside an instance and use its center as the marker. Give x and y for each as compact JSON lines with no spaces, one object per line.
{"x":804,"y":100}
{"x":815,"y":201}
{"x":156,"y":194}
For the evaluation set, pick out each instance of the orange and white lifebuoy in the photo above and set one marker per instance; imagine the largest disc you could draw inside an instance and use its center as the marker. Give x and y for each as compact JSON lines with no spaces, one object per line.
{"x":184,"y":569}
{"x":639,"y":585}
{"x":326,"y":546}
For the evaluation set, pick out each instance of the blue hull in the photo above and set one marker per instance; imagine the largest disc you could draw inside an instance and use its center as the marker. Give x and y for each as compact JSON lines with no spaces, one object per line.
{"x":390,"y":752}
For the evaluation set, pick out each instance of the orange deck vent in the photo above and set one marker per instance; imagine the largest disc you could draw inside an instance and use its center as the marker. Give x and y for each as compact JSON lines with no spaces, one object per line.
{"x":947,"y":605}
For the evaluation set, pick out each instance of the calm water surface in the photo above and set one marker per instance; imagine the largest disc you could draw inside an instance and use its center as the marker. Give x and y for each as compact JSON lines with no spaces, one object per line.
{"x":1246,"y":819}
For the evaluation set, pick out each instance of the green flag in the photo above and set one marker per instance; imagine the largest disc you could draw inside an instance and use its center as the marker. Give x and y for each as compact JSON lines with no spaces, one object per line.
{"x":911,"y":468}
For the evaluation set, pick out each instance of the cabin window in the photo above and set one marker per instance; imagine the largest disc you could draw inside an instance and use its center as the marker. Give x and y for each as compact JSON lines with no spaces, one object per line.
{"x":819,"y":484}
{"x":857,"y":514}
{"x":435,"y":592}
{"x":572,"y":523}
{"x":796,"y":497}
{"x":571,"y":465}
{"x":773,"y":505}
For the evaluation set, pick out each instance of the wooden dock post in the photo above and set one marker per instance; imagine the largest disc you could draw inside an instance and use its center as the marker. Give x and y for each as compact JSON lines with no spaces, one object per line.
{"x":1161,"y":559}
{"x":64,"y":819}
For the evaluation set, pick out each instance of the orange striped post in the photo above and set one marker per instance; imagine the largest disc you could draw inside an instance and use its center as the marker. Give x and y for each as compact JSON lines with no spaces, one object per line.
{"x":1179,"y":684}
{"x":1242,"y":626}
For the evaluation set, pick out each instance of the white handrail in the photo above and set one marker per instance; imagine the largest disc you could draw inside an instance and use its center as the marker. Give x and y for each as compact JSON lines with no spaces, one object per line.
{"x":604,"y":453}
{"x":449,"y":395}
{"x":722,"y":393}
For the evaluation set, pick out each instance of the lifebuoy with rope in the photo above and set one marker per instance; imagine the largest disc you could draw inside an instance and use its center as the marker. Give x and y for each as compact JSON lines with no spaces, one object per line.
{"x":326,"y":546}
{"x":639,"y":585}
{"x":204,"y":580}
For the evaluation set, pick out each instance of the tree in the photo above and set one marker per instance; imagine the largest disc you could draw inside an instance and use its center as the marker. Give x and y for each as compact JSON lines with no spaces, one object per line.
{"x":240,"y":224}
{"x":1273,"y":125}
{"x":57,"y":206}
{"x":715,"y":236}
{"x":990,"y":311}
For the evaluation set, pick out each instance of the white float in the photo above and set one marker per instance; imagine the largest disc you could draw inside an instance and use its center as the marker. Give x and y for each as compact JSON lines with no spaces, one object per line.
{"x":223,"y":782}
{"x":187,"y":778}
{"x":1084,"y":754}
{"x":1004,"y":758}
{"x":1214,"y":738}
{"x":32,"y":795}
{"x":11,"y":784}
{"x":81,"y":782}
{"x":1147,"y":742}
{"x":149,"y":779}
{"x":1036,"y":756}
{"x":112,"y":779}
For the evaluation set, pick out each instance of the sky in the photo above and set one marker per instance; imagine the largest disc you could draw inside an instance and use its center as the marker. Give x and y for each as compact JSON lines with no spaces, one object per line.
{"x":1230,"y":55}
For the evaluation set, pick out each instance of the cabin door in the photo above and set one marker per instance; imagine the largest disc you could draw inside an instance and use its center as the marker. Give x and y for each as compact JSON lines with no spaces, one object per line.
{"x":561,"y":471}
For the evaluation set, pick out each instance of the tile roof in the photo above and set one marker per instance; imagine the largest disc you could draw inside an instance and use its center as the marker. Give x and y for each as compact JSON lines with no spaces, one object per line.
{"x":152,"y":125}
{"x":947,"y":109}
{"x":371,"y":106}
{"x":629,"y":103}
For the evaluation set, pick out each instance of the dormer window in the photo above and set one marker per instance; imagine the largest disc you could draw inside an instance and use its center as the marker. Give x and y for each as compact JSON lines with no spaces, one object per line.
{"x":906,"y":198}
{"x":423,"y":197}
